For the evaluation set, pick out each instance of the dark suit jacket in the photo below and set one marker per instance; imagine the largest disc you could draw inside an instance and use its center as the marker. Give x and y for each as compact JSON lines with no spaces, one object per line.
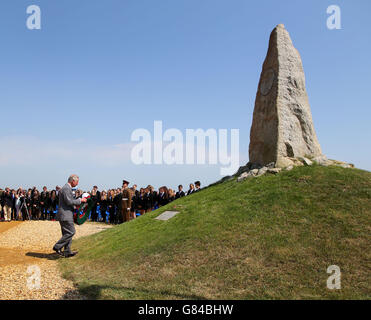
{"x":179,"y":194}
{"x":7,"y":199}
{"x":191,"y":191}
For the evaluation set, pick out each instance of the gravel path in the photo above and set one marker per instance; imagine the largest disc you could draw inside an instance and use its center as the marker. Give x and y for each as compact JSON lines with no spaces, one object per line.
{"x":25,"y":251}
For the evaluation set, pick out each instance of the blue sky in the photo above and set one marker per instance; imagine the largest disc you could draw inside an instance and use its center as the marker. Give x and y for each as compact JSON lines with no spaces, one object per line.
{"x":73,"y":92}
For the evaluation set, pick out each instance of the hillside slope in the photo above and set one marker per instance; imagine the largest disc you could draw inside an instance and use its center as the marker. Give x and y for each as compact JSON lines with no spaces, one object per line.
{"x":271,"y":237}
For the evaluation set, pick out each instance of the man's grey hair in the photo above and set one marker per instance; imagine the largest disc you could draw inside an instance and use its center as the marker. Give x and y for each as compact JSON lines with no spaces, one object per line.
{"x":73,"y":177}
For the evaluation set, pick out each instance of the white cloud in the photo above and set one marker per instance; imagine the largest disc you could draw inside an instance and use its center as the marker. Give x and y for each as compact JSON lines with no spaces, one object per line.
{"x":29,"y":151}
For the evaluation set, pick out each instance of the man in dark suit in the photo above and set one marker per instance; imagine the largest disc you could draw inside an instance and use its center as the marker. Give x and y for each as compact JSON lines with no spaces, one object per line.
{"x":65,"y":217}
{"x":180,"y":192}
{"x":191,"y":189}
{"x":118,"y":204}
{"x":44,"y":203}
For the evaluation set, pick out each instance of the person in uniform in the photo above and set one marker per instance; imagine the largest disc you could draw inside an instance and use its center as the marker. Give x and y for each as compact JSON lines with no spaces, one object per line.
{"x":126,"y":196}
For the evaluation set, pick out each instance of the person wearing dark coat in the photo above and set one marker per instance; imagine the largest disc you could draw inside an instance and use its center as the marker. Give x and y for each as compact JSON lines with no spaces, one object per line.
{"x":44,"y":203}
{"x":53,"y":202}
{"x":118,"y":204}
{"x":180,"y":192}
{"x":103,"y":205}
{"x":171,"y":195}
{"x":141,"y":202}
{"x":1,"y":203}
{"x":14,"y":199}
{"x":191,"y":189}
{"x":163,"y":197}
{"x":134,"y":201}
{"x":154,"y":197}
{"x":149,"y":199}
{"x":198,"y":186}
{"x":35,"y":205}
{"x":95,"y":197}
{"x":28,"y":201}
{"x":111,"y":206}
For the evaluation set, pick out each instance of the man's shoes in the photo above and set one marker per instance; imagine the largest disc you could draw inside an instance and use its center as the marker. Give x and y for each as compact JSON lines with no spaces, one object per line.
{"x":59,"y":252}
{"x":71,"y":254}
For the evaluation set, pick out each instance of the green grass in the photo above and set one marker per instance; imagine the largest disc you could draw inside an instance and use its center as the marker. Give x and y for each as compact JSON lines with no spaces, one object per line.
{"x":271,"y":237}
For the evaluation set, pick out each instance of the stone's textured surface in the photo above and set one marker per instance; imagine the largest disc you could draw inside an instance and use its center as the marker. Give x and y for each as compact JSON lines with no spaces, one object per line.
{"x":167,"y":215}
{"x":294,"y":162}
{"x":274,"y":170}
{"x":243,"y":176}
{"x":284,"y":162}
{"x":305,"y":161}
{"x":282,"y":125}
{"x":262,"y":171}
{"x":321,"y":160}
{"x":340,"y":164}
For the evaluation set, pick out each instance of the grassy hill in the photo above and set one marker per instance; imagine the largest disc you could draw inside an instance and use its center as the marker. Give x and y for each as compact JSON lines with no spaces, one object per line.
{"x":270,"y":237}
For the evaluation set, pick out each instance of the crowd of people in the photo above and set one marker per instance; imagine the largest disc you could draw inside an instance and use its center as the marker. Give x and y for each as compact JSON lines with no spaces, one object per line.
{"x":106,"y":205}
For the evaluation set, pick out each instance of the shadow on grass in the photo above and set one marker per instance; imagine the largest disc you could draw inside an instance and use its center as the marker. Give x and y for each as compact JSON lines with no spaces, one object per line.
{"x":94,"y":292}
{"x":48,"y":256}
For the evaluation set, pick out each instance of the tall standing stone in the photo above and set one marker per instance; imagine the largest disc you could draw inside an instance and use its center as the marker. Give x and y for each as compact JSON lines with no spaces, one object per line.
{"x":282,"y":126}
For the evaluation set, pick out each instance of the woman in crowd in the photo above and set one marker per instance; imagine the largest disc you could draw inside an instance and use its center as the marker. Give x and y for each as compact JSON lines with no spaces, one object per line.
{"x":103,"y":202}
{"x":28,"y":202}
{"x":141,"y":203}
{"x":18,"y":204}
{"x":94,"y":198}
{"x":53,"y":205}
{"x":171,"y":195}
{"x":36,"y":205}
{"x":111,"y":206}
{"x":163,"y":198}
{"x":148,"y":199}
{"x":133,"y":207}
